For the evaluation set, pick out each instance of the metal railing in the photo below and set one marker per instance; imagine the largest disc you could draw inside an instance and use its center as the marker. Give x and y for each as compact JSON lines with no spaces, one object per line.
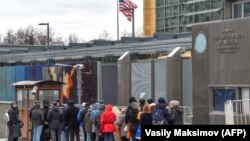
{"x":237,"y":112}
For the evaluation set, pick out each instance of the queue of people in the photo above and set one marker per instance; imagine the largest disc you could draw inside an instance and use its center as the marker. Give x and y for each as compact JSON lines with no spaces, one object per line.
{"x":95,"y":122}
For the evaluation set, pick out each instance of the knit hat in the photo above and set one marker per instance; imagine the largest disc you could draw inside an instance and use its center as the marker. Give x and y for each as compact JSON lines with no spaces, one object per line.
{"x":132,"y":99}
{"x":162,"y":100}
{"x":135,"y":105}
{"x":150,"y":101}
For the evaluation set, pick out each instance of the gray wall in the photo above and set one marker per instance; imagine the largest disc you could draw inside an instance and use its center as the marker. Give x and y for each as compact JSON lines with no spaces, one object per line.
{"x":109,"y":83}
{"x":174,"y":77}
{"x":187,"y":83}
{"x":3,"y":126}
{"x":160,"y":79}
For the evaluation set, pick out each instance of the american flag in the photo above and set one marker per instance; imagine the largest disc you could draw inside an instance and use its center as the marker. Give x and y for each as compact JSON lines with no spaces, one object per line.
{"x":127,"y":7}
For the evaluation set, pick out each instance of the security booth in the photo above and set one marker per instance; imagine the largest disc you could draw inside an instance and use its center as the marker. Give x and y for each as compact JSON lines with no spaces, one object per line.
{"x":27,"y":92}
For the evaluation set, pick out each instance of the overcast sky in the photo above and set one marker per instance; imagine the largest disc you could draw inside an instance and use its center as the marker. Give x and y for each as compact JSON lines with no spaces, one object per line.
{"x":86,"y":18}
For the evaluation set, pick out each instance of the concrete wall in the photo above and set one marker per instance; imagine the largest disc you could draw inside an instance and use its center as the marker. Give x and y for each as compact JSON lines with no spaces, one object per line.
{"x":3,"y":126}
{"x":200,"y":79}
{"x":124,"y":79}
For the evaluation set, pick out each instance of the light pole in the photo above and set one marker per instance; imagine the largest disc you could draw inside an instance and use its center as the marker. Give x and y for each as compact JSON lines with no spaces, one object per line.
{"x":79,"y":68}
{"x":47,"y":31}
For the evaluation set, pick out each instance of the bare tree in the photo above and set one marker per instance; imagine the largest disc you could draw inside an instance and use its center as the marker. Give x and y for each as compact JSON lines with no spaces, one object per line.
{"x":138,"y":33}
{"x":126,"y":34}
{"x":73,"y":38}
{"x":105,"y":35}
{"x":10,"y":37}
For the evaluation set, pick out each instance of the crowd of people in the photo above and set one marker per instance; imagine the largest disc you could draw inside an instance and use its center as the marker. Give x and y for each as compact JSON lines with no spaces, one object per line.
{"x":95,"y":122}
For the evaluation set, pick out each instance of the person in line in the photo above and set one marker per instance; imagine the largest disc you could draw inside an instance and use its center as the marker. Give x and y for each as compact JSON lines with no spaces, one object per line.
{"x":133,"y":120}
{"x":129,"y":108}
{"x":37,"y":119}
{"x":175,"y":116}
{"x":107,"y":123}
{"x":14,"y":129}
{"x":120,"y":123}
{"x":71,"y":121}
{"x":55,"y":120}
{"x":146,"y":116}
{"x":45,"y":110}
{"x":87,"y":122}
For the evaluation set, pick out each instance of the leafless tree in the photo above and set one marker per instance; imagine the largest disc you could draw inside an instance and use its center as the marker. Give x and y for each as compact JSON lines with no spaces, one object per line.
{"x":105,"y":35}
{"x":73,"y":38}
{"x":10,"y":37}
{"x":138,"y":33}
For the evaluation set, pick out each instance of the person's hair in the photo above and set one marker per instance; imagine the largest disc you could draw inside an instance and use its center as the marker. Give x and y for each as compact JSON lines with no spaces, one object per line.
{"x":146,"y":108}
{"x":174,"y":103}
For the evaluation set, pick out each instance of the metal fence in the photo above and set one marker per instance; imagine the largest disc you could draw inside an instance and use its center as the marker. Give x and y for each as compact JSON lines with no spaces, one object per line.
{"x":187,"y":115}
{"x":237,"y":112}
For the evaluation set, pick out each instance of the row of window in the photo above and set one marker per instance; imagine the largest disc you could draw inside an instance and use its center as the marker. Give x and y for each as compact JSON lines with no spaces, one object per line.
{"x":186,"y":20}
{"x":241,"y":10}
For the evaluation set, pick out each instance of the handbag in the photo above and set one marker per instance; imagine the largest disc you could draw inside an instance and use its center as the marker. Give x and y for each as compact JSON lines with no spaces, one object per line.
{"x":126,"y":128}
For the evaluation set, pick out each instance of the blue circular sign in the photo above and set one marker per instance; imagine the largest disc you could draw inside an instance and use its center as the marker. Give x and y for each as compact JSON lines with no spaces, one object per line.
{"x":200,"y":43}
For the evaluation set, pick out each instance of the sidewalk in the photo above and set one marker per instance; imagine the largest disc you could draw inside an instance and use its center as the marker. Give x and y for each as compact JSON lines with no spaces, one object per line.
{"x":5,"y":139}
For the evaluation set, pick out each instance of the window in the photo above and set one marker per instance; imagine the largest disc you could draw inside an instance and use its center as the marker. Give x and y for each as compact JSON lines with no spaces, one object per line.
{"x":217,"y":15}
{"x":246,"y":9}
{"x":216,"y":4}
{"x":160,"y":3}
{"x":50,"y":95}
{"x":160,"y":23}
{"x":237,"y":10}
{"x":160,"y":12}
{"x":220,"y":96}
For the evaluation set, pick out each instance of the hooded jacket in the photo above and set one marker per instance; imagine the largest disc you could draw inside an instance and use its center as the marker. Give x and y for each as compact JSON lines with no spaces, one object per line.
{"x":37,"y":116}
{"x":54,"y":117}
{"x":107,"y":120}
{"x":175,"y":116}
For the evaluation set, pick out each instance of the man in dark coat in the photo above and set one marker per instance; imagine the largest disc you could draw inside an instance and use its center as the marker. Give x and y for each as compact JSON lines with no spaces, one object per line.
{"x":13,"y":124}
{"x":55,"y":120}
{"x":133,"y":120}
{"x":161,"y":105}
{"x":129,"y":108}
{"x":71,"y":121}
{"x":45,"y":110}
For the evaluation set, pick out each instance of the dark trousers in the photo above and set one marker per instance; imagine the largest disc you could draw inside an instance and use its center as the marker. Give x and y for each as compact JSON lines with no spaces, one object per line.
{"x":10,"y":133}
{"x":55,"y":134}
{"x":74,"y":132}
{"x":124,"y":139}
{"x":93,"y":136}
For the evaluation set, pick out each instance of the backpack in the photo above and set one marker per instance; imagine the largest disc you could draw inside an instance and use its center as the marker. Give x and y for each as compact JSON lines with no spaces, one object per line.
{"x":6,"y":116}
{"x":47,"y":134}
{"x":158,"y":117}
{"x":97,"y":121}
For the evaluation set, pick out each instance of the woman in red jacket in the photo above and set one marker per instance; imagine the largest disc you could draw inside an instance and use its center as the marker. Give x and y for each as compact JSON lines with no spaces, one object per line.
{"x":107,"y":123}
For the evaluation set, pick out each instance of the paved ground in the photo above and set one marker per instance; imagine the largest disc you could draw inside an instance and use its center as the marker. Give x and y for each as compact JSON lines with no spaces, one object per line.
{"x":18,"y":139}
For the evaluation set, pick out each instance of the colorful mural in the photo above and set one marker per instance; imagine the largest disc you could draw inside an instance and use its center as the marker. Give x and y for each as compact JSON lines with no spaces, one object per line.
{"x":66,"y":74}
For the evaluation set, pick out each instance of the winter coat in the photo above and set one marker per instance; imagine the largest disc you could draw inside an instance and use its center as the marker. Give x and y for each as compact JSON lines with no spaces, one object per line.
{"x":71,"y":117}
{"x":37,"y":117}
{"x":87,"y":122}
{"x":175,"y":116}
{"x":133,"y":121}
{"x":54,"y":118}
{"x":146,"y":119}
{"x":107,"y":120}
{"x":120,"y":123}
{"x":14,"y":116}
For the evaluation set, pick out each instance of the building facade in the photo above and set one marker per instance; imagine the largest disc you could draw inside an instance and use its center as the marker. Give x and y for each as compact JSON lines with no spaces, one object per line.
{"x":178,"y":16}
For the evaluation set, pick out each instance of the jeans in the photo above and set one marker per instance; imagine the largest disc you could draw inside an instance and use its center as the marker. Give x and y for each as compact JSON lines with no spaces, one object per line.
{"x":55,"y":134}
{"x":109,"y":136}
{"x":88,"y":136}
{"x":65,"y":134}
{"x":37,"y":130}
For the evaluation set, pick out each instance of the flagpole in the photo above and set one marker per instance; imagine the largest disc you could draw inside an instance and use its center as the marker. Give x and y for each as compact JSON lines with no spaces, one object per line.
{"x":133,"y":22}
{"x":117,"y":20}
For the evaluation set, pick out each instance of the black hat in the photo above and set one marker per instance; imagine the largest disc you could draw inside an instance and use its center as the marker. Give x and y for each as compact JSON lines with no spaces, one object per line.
{"x":132,"y":99}
{"x":162,"y":100}
{"x":150,"y":101}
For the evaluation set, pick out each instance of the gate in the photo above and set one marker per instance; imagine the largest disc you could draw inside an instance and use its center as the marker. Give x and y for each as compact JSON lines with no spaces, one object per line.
{"x":237,"y":112}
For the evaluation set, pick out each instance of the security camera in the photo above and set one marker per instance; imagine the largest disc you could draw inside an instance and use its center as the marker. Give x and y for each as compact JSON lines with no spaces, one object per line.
{"x":33,"y":91}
